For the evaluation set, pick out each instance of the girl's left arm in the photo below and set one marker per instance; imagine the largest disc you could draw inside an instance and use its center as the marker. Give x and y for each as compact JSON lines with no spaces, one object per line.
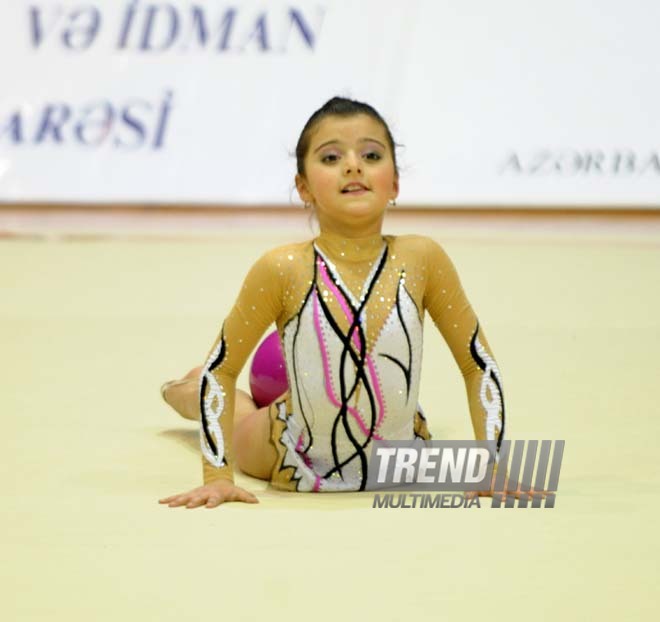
{"x":451,"y":312}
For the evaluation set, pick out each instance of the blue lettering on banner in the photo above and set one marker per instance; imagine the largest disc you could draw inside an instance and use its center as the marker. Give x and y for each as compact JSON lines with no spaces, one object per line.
{"x":163,"y":27}
{"x":130,"y":125}
{"x":198,"y":30}
{"x":159,"y":27}
{"x":78,"y":28}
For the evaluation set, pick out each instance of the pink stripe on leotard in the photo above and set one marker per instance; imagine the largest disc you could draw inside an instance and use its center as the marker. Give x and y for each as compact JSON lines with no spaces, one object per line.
{"x":349,"y":315}
{"x":326,"y":368}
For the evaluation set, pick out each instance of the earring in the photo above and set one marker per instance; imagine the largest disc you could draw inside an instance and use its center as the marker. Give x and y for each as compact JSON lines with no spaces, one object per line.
{"x":307,"y":205}
{"x":392,"y":202}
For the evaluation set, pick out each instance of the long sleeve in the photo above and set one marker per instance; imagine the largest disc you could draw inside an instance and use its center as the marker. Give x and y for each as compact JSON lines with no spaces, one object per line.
{"x":258,"y":305}
{"x":451,"y":312}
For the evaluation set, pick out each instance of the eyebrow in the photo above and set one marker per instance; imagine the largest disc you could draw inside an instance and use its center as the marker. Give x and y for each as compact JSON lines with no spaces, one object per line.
{"x":362,"y":140}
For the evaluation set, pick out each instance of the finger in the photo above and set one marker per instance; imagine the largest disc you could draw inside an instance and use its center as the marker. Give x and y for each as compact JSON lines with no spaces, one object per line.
{"x":214,"y":502}
{"x":248,"y":497}
{"x":179,"y":501}
{"x":471,"y":494}
{"x":542,"y":493}
{"x":245,"y":496}
{"x":195,"y":502}
{"x":167,"y":499}
{"x":528,"y":494}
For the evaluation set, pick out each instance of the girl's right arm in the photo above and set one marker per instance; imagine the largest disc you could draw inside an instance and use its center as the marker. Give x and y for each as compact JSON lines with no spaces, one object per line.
{"x":258,"y":305}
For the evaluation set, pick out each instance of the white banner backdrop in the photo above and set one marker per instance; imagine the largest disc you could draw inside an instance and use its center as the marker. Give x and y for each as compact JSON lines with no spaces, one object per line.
{"x":494,"y":103}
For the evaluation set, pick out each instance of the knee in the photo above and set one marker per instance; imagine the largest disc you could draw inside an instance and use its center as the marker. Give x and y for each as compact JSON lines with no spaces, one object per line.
{"x":252,"y":450}
{"x":244,"y":449}
{"x":243,"y":405}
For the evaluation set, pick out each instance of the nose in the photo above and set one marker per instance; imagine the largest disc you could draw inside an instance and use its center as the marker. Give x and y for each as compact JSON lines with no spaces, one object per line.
{"x":352,"y":163}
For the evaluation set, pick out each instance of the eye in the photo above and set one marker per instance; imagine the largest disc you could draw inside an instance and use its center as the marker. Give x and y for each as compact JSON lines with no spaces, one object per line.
{"x":329,"y":158}
{"x":372,"y":155}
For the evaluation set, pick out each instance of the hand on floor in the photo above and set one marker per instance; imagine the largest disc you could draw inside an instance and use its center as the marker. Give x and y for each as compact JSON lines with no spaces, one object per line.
{"x":210,"y":496}
{"x":511,"y":488}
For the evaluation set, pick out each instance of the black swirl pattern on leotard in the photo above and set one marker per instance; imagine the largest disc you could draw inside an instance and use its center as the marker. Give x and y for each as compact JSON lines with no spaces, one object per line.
{"x":358,"y":359}
{"x":492,"y":375}
{"x":211,"y":365}
{"x":353,"y":362}
{"x":296,"y":375}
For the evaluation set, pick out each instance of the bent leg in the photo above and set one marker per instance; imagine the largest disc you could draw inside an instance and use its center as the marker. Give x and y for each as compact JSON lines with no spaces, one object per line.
{"x":253,"y":450}
{"x":183,"y":395}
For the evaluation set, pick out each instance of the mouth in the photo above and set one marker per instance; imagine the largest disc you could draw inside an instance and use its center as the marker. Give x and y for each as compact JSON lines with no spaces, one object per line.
{"x":354,"y":188}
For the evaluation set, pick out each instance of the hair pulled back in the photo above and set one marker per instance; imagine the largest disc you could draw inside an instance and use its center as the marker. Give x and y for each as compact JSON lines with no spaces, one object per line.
{"x":339,"y":107}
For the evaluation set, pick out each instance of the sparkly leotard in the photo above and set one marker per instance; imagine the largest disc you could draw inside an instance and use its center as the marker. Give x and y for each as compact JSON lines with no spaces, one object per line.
{"x":350,"y":316}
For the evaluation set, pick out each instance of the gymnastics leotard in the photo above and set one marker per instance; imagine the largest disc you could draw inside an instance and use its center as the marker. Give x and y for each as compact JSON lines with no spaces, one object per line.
{"x":350,"y":316}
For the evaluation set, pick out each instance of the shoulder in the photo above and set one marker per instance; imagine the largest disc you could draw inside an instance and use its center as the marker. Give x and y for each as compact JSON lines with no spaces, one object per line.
{"x":428,"y":255}
{"x":276,"y":267}
{"x":422,"y":245}
{"x":285,"y":255}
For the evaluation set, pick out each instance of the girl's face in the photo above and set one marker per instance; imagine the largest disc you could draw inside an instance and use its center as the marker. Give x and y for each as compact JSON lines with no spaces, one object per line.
{"x":349,"y":175}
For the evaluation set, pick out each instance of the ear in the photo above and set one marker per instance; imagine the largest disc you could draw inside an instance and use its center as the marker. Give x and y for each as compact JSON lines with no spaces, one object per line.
{"x":303,"y":190}
{"x":395,"y":187}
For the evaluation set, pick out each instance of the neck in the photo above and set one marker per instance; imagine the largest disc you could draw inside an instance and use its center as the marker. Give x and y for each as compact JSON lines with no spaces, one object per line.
{"x":354,"y":230}
{"x":341,"y":248}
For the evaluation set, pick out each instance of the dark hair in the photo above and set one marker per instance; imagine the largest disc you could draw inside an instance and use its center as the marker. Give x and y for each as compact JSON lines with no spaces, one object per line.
{"x":339,"y":107}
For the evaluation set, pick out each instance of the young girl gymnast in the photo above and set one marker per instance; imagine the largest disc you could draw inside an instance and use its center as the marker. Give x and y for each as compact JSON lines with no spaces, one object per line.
{"x":349,"y":308}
